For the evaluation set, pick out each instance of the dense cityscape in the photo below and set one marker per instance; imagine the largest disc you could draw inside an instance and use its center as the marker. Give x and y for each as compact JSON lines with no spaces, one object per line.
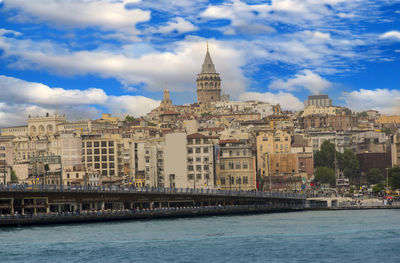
{"x":214,"y":143}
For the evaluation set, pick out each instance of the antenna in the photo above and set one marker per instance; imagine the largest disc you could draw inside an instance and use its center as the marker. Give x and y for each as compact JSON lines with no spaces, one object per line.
{"x":207,"y":45}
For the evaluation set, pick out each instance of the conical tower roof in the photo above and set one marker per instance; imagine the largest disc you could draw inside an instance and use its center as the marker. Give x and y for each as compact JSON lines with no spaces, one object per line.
{"x":208,"y":65}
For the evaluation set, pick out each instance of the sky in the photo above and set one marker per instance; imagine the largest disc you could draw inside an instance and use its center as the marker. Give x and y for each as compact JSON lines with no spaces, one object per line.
{"x":85,"y":57}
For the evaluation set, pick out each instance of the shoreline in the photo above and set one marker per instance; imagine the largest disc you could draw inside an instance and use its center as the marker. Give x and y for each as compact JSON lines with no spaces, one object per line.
{"x":101,"y":216}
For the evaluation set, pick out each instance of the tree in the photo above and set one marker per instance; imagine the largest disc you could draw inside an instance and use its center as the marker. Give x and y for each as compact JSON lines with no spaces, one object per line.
{"x":386,"y":131}
{"x":325,"y":175}
{"x":378,"y":188}
{"x":374,"y":176}
{"x":350,"y":167}
{"x":326,"y":156}
{"x":394,"y":177}
{"x":129,"y":119}
{"x":13,"y":177}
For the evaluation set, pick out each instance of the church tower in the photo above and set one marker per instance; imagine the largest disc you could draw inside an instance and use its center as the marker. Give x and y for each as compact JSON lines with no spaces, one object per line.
{"x":208,"y":82}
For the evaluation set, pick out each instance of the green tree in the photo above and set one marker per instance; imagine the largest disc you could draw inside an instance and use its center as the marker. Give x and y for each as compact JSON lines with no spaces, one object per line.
{"x":378,"y":188}
{"x":129,"y":119}
{"x":350,"y":166}
{"x":326,"y":156}
{"x":13,"y":177}
{"x":325,"y":175}
{"x":386,"y":131}
{"x":374,"y":176}
{"x":394,"y":177}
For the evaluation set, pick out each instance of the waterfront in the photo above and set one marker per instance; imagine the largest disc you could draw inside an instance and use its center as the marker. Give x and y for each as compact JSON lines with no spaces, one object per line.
{"x":312,"y":236}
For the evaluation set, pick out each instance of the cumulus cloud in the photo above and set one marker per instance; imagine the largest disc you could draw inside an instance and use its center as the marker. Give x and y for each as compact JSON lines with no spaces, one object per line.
{"x":20,"y":98}
{"x":287,"y":100}
{"x":395,"y":35}
{"x":384,"y":100}
{"x":103,"y":14}
{"x":178,"y":66}
{"x":179,"y":24}
{"x":306,"y":79}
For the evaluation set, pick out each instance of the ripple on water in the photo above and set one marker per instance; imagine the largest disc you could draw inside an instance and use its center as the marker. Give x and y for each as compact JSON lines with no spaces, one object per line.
{"x":330,"y":236}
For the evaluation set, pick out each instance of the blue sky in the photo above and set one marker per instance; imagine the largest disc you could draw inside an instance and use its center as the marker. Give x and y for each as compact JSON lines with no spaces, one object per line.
{"x":91,"y":56}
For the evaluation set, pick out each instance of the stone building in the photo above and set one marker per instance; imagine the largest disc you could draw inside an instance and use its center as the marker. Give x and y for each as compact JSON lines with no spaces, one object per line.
{"x":318,"y":101}
{"x":270,"y":142}
{"x":208,"y":82}
{"x":236,"y":168}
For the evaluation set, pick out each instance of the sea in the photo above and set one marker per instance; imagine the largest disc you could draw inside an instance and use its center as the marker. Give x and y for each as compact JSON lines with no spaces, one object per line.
{"x":309,"y":236}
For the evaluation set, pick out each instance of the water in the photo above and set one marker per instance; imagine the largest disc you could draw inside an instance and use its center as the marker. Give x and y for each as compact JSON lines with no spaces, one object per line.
{"x":313,"y":236}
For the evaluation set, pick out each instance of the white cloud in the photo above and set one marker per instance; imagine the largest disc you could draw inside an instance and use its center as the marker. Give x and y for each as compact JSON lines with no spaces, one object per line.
{"x":179,"y":66}
{"x":395,"y":35}
{"x":287,"y":100}
{"x":103,"y":14}
{"x":178,"y":24}
{"x":306,"y":79}
{"x":23,"y":92}
{"x":19,"y":98}
{"x":384,"y":100}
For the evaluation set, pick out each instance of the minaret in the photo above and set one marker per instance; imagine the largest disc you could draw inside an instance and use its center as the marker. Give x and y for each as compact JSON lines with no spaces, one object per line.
{"x":208,"y":82}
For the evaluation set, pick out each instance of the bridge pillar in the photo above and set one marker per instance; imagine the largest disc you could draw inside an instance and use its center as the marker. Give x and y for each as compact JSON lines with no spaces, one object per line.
{"x":34,"y":209}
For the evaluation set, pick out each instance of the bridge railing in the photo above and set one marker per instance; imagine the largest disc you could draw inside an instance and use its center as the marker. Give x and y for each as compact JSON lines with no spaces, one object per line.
{"x":148,"y":190}
{"x":127,"y":212}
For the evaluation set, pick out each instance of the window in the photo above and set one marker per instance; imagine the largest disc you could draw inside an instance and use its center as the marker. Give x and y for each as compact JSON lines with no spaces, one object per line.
{"x":205,"y":150}
{"x":207,"y":176}
{"x":231,"y":165}
{"x":67,"y":175}
{"x":111,"y":150}
{"x":245,"y":165}
{"x":104,"y":151}
{"x":223,"y":180}
{"x":111,"y":144}
{"x":104,"y":158}
{"x":265,"y":139}
{"x":77,"y":175}
{"x":198,"y":176}
{"x":111,"y":158}
{"x":286,"y":138}
{"x":88,"y":144}
{"x":96,"y":151}
{"x":96,"y":158}
{"x":96,"y":144}
{"x":197,"y":141}
{"x":190,"y":167}
{"x":190,"y":176}
{"x":198,"y":167}
{"x":147,"y":160}
{"x":96,"y":166}
{"x":190,"y":150}
{"x":198,"y":159}
{"x":198,"y":150}
{"x":104,"y":144}
{"x":277,"y":139}
{"x":89,"y":159}
{"x":206,"y":167}
{"x":230,"y":152}
{"x":238,"y":165}
{"x":190,"y":160}
{"x":237,"y":153}
{"x":205,"y":159}
{"x":104,"y":165}
{"x":111,"y":165}
{"x":89,"y":151}
{"x":244,"y":152}
{"x":222,"y":166}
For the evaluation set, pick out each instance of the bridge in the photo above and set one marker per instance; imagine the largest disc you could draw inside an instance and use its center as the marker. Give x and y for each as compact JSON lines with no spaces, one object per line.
{"x":29,"y":201}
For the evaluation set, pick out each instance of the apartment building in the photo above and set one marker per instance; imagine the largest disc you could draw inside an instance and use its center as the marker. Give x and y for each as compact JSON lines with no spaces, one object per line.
{"x":236,"y":168}
{"x":200,"y":161}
